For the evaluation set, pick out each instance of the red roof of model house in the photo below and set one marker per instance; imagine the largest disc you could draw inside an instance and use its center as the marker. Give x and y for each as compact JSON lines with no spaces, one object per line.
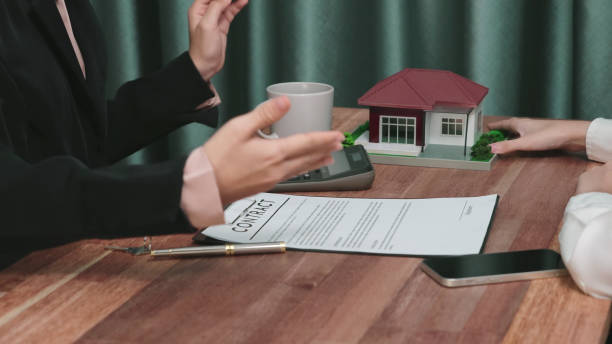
{"x":423,"y":89}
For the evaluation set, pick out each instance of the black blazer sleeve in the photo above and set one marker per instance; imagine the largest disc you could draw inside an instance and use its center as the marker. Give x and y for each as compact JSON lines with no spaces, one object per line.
{"x":153,"y":106}
{"x":58,"y":133}
{"x":60,"y":198}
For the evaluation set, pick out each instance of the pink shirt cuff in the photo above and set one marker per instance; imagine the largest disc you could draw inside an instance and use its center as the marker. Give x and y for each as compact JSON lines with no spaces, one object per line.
{"x":200,"y":199}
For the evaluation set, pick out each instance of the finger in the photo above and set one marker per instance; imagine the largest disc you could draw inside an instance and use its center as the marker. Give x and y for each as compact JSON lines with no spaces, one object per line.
{"x":324,"y":142}
{"x":213,"y":12}
{"x":230,"y":13}
{"x":196,"y":12}
{"x":506,"y":124}
{"x":304,"y":164}
{"x":265,"y":114}
{"x":593,"y":168}
{"x":321,"y":162}
{"x":503,"y":147}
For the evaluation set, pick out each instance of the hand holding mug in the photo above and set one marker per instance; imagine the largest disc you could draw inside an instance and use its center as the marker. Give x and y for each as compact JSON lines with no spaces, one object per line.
{"x":245,"y":164}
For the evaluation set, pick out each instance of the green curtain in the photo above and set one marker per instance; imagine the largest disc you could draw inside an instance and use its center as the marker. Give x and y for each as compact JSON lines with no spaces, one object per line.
{"x":544,"y":58}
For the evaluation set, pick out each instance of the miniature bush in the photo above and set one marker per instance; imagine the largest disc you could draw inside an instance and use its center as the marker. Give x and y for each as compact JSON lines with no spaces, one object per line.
{"x":481,"y":150}
{"x":349,"y":138}
{"x":361,"y":129}
{"x":496,"y":136}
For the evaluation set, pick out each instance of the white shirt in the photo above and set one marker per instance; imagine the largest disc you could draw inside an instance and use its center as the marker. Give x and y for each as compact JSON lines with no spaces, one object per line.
{"x":586,"y":235}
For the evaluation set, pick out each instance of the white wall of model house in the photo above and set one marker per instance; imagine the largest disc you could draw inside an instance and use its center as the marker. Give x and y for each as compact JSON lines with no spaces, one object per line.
{"x":433,"y":127}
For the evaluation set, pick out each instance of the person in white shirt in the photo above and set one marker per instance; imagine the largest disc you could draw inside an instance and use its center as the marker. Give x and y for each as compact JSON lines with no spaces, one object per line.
{"x":586,"y":234}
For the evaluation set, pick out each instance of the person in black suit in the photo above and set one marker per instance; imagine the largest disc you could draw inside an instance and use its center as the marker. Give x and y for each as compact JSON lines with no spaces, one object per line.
{"x":60,"y":136}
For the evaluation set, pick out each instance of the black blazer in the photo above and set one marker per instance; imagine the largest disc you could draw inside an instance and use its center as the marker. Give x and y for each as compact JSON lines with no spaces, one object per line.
{"x":59,"y":136}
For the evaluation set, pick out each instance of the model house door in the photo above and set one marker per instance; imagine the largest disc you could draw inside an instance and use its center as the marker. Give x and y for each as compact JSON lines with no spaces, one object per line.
{"x":395,"y":129}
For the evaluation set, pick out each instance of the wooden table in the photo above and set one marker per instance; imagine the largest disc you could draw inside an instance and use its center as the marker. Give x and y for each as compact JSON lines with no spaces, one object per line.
{"x":79,"y":292}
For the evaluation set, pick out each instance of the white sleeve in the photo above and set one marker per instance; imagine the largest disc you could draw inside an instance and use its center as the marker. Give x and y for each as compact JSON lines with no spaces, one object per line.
{"x":599,"y":140}
{"x":586,"y":242}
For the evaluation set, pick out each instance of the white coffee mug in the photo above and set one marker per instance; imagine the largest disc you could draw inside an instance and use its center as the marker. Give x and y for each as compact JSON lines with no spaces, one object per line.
{"x":311,"y":108}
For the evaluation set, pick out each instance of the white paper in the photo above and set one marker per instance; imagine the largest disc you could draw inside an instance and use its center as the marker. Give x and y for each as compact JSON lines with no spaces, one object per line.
{"x":420,"y":227}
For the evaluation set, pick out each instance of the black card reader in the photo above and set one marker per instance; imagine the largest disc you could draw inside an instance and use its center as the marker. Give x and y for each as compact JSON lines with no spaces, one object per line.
{"x":351,"y":170}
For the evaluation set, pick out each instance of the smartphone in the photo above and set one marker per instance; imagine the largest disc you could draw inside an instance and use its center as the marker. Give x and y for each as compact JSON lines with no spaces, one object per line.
{"x":475,"y":269}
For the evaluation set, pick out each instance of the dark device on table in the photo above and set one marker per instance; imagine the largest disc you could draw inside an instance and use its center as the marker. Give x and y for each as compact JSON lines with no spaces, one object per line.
{"x":351,"y":170}
{"x":500,"y":267}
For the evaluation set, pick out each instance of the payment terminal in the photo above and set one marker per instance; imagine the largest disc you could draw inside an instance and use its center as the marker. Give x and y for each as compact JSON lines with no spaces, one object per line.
{"x":351,"y":170}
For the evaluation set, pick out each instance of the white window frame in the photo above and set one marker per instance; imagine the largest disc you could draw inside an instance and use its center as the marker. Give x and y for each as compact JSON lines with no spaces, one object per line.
{"x":452,"y":122}
{"x":397,"y":125}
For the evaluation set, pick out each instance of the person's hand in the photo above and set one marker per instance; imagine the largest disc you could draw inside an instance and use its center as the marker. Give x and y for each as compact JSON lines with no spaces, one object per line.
{"x":209,"y":23}
{"x":538,"y":134}
{"x":596,"y":179}
{"x":245,"y":164}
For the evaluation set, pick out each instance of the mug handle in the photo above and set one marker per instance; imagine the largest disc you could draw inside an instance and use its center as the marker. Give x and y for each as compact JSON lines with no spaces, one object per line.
{"x":266,"y":136}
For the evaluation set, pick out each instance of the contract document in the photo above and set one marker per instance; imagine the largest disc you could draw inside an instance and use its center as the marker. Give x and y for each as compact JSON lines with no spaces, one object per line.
{"x":415,"y":227}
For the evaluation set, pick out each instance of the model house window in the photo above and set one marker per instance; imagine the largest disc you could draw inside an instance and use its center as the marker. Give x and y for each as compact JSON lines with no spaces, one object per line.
{"x":452,"y":126}
{"x":397,"y":129}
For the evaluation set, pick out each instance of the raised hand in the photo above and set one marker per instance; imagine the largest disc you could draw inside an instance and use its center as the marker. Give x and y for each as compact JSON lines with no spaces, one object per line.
{"x":209,"y":23}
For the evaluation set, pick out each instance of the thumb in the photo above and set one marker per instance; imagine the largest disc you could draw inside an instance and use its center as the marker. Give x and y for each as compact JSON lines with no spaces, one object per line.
{"x":268,"y":112}
{"x":503,"y":147}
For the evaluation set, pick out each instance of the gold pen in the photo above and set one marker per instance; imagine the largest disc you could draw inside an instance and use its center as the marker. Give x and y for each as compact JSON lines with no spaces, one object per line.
{"x":223,"y":250}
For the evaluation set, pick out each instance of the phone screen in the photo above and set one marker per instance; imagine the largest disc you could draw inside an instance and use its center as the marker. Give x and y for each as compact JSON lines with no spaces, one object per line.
{"x":495,"y":263}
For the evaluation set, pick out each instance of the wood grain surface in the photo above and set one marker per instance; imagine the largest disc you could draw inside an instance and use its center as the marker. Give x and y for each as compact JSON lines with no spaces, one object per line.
{"x":81,"y":293}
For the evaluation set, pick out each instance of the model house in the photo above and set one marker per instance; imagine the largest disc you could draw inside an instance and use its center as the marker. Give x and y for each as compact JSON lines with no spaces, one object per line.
{"x":416,"y":108}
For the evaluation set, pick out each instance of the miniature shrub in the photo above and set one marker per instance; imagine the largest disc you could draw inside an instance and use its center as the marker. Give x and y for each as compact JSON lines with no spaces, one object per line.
{"x":361,"y":129}
{"x":349,"y":138}
{"x":496,"y":136}
{"x":481,"y":150}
